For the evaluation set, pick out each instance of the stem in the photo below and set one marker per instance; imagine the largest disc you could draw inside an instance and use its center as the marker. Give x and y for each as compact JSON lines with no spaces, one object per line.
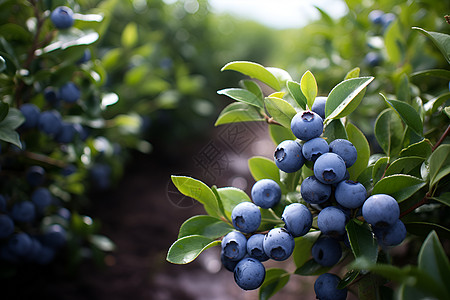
{"x":418,"y":204}
{"x":44,"y":159}
{"x":441,"y":139}
{"x":270,"y":120}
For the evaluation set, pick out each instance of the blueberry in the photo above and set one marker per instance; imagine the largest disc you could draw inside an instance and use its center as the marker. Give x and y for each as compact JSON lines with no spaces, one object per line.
{"x":331,"y":221}
{"x":325,"y":288}
{"x":6,"y":226}
{"x":100,"y":174}
{"x":381,"y":210}
{"x":35,"y":175}
{"x":42,"y":198}
{"x":326,"y":251}
{"x":23,"y":211}
{"x":64,"y":213}
{"x":55,"y":236}
{"x":278,"y":244}
{"x":266,"y":193}
{"x":66,"y":133}
{"x":234,"y":245}
{"x":314,"y":148}
{"x":20,"y":244}
{"x":68,"y":170}
{"x":62,"y":17}
{"x":249,"y":273}
{"x":246,"y":217}
{"x":255,"y":247}
{"x":392,"y":235}
{"x":345,"y":150}
{"x":329,"y":168}
{"x":350,"y":194}
{"x":50,"y":122}
{"x":375,"y":16}
{"x":34,"y":251}
{"x":313,"y":191}
{"x":228,"y":263}
{"x":307,"y":125}
{"x":69,"y":92}
{"x":387,"y":19}
{"x":85,"y":58}
{"x":319,"y":106}
{"x":31,"y":113}
{"x":288,"y":156}
{"x":297,"y":218}
{"x":373,"y":59}
{"x":45,"y":255}
{"x":52,"y":96}
{"x":3,"y":203}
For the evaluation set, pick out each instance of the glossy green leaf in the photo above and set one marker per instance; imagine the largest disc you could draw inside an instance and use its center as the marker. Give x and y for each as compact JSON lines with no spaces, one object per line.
{"x":308,"y":86}
{"x":433,"y":105}
{"x":395,"y":44}
{"x":441,"y":40}
{"x":379,"y":168}
{"x":204,"y":225}
{"x":389,"y":132}
{"x":253,"y":87}
{"x":311,"y":268}
{"x":69,"y":39}
{"x":402,"y":88}
{"x":345,"y":97}
{"x":353,"y":73}
{"x":439,"y":73}
{"x":424,"y":228}
{"x":130,"y":35}
{"x":4,"y":110}
{"x":296,"y":93}
{"x":361,"y":241}
{"x":230,"y":197}
{"x":2,"y":64}
{"x":439,"y":163}
{"x":262,"y":167}
{"x":242,"y":95}
{"x":197,"y":190}
{"x":238,"y":112}
{"x":254,"y":70}
{"x":274,"y":281}
{"x":357,"y":138}
{"x":281,"y":75}
{"x":419,"y":149}
{"x":404,"y":165}
{"x":334,"y":130}
{"x":399,"y":186}
{"x":368,"y":287}
{"x":348,"y":278}
{"x":280,"y":110}
{"x":188,"y":248}
{"x":444,"y":198}
{"x":8,"y":126}
{"x":303,"y":245}
{"x":280,"y":133}
{"x":407,"y":113}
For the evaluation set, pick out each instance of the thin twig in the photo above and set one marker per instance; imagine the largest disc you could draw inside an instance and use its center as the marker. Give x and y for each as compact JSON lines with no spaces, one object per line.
{"x":441,"y":139}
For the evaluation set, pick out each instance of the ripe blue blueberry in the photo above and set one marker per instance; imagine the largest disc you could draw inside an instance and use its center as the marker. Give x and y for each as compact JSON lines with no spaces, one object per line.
{"x":314,"y":148}
{"x":50,"y":122}
{"x":325,"y":288}
{"x":55,"y":236}
{"x":3,"y":203}
{"x":85,"y":58}
{"x":331,"y":221}
{"x":66,"y":133}
{"x":228,"y":263}
{"x":20,"y":244}
{"x":350,"y":194}
{"x":255,"y":247}
{"x":68,"y":170}
{"x":373,"y":59}
{"x":297,"y":218}
{"x":266,"y":193}
{"x":319,"y":106}
{"x":69,"y":92}
{"x":313,"y":191}
{"x":62,"y":17}
{"x":35,"y":175}
{"x":23,"y":211}
{"x":246,"y":217}
{"x":278,"y":244}
{"x":307,"y":125}
{"x":249,"y":273}
{"x":52,"y":96}
{"x":387,"y":19}
{"x":288,"y":156}
{"x":100,"y":175}
{"x":45,"y":256}
{"x":41,"y":198}
{"x":31,"y":113}
{"x":234,"y":245}
{"x":381,"y":210}
{"x":329,"y":168}
{"x":392,"y":235}
{"x":375,"y":16}
{"x":34,"y":251}
{"x":326,"y":251}
{"x":6,"y":226}
{"x":346,"y":150}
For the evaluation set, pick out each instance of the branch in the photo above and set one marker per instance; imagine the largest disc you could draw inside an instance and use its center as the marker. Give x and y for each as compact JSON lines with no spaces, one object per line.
{"x":441,"y":139}
{"x":417,"y":205}
{"x":270,"y":120}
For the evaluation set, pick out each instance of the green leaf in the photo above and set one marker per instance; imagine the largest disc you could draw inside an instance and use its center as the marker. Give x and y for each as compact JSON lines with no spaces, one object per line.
{"x":441,"y":40}
{"x":444,"y":198}
{"x":345,"y":97}
{"x":2,"y":64}
{"x":253,"y":87}
{"x":424,"y":229}
{"x":274,"y":281}
{"x":419,"y":149}
{"x":311,"y":268}
{"x":4,"y":110}
{"x":368,"y":287}
{"x":262,"y":167}
{"x":130,"y":35}
{"x":438,"y":73}
{"x":238,"y":115}
{"x":433,"y":105}
{"x":203,"y":225}
{"x":379,"y":168}
{"x":439,"y":163}
{"x":13,"y":119}
{"x":407,"y":113}
{"x":395,"y":43}
{"x":348,"y":278}
{"x":102,"y":242}
{"x":357,"y":138}
{"x":302,"y":249}
{"x":403,"y":92}
{"x":254,"y":70}
{"x":399,"y":186}
{"x":282,"y":75}
{"x":296,"y":93}
{"x":186,"y":249}
{"x":335,"y":130}
{"x":280,"y":110}
{"x":67,"y":39}
{"x":199,"y":191}
{"x":361,"y":241}
{"x":230,"y":197}
{"x":308,"y":87}
{"x":404,"y":165}
{"x":353,"y":73}
{"x":280,"y":133}
{"x":242,"y":95}
{"x":389,"y":132}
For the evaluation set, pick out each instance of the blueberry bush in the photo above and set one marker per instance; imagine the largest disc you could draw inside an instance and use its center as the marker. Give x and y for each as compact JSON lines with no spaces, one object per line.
{"x":333,"y":200}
